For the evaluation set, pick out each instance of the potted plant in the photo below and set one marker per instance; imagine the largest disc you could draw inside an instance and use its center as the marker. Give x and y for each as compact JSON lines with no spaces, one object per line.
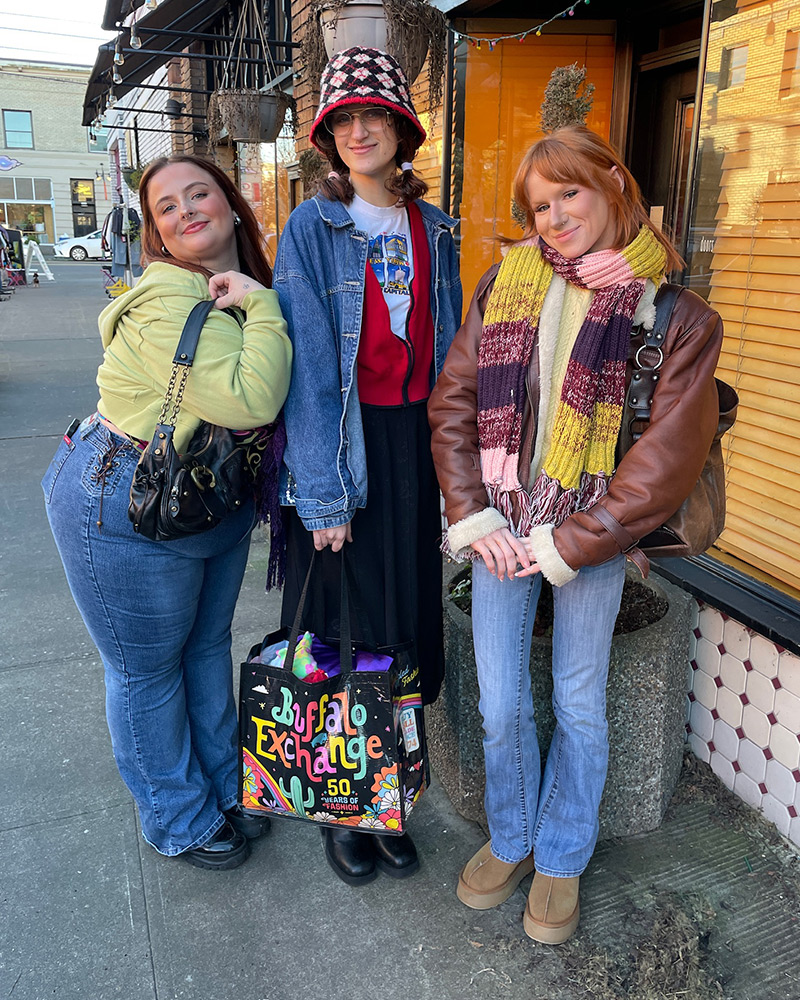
{"x":313,"y":169}
{"x":133,"y":176}
{"x":238,"y":112}
{"x":241,"y":114}
{"x":409,"y":30}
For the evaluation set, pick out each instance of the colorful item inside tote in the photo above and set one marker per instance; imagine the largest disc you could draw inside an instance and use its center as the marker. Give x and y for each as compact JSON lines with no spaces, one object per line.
{"x":314,"y":660}
{"x":336,"y":749}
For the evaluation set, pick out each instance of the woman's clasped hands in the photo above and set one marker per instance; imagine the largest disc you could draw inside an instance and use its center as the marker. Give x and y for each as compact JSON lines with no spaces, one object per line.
{"x":505,"y":555}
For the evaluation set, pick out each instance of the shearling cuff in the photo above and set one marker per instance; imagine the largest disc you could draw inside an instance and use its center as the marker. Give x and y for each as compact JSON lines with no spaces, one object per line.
{"x":552,"y":565}
{"x":469,"y":529}
{"x":645,"y":314}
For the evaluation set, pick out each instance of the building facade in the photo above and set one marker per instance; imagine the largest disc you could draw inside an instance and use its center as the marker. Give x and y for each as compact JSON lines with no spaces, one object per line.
{"x":54,"y":177}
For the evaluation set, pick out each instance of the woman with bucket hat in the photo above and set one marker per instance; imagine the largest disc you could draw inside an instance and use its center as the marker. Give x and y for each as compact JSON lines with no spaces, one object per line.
{"x":367,"y":278}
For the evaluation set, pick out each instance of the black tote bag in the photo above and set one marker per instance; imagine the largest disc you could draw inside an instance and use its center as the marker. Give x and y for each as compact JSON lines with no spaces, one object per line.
{"x":348,"y":751}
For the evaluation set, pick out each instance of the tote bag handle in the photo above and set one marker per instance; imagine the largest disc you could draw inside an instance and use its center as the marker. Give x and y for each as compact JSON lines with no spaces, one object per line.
{"x":345,"y":632}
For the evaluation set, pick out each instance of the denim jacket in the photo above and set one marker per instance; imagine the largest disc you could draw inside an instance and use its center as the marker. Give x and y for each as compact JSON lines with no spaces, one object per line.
{"x":319,"y":276}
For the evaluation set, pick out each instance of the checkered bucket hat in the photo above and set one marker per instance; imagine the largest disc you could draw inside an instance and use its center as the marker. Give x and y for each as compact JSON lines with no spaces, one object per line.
{"x":365,"y":76}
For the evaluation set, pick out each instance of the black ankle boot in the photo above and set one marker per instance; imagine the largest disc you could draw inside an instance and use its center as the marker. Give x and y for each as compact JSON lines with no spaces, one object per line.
{"x":395,"y":856}
{"x":225,"y":850}
{"x":350,"y":853}
{"x":249,"y":825}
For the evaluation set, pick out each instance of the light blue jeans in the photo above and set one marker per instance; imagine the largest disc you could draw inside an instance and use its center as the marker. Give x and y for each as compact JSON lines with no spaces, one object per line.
{"x":160,"y":614}
{"x":552,"y":813}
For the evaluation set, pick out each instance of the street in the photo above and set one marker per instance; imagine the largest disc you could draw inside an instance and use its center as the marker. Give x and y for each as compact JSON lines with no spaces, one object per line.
{"x":91,"y":912}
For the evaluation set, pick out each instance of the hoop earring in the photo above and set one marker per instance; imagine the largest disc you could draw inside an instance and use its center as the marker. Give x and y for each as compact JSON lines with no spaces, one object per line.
{"x":165,"y":251}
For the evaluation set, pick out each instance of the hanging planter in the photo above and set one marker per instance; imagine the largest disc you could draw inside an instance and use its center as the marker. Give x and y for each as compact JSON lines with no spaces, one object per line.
{"x":407,"y":29}
{"x":367,"y":24}
{"x":132,"y":177}
{"x":243,"y":115}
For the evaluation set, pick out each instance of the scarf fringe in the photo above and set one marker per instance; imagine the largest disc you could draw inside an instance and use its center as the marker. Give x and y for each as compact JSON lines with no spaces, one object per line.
{"x":268,"y":507}
{"x":546,"y":502}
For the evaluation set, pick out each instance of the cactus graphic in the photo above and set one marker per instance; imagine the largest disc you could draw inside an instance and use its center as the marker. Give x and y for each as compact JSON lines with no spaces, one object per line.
{"x":295,"y":793}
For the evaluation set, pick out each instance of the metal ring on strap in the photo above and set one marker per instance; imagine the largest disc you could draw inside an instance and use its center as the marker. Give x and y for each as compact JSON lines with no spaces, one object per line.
{"x":650,"y":347}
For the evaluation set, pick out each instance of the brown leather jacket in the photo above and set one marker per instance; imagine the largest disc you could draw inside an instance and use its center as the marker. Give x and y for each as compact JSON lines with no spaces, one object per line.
{"x":653,"y":477}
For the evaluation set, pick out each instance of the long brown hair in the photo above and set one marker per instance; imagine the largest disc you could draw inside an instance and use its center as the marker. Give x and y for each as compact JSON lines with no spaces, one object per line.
{"x":575,"y":154}
{"x":405,"y":184}
{"x":249,"y":240}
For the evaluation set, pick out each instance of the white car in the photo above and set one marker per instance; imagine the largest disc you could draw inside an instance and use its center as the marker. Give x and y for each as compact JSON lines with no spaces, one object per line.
{"x":81,"y":247}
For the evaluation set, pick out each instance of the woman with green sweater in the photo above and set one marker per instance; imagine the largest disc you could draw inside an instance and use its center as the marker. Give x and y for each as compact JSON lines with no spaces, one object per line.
{"x":160,"y":612}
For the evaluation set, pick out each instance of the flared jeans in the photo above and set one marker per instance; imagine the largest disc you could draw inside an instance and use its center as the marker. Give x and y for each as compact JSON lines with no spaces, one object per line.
{"x":552,"y":811}
{"x":160,"y":615}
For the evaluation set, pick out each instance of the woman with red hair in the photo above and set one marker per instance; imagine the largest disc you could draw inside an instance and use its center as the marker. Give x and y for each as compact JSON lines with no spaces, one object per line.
{"x":527,"y":418}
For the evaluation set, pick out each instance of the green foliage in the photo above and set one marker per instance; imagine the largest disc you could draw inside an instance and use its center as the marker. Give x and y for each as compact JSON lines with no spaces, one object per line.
{"x":133,"y":176}
{"x":568,"y":98}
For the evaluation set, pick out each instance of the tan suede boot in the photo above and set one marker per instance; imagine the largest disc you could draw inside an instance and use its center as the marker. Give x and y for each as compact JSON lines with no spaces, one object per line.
{"x":553,"y":910}
{"x":486,"y":882}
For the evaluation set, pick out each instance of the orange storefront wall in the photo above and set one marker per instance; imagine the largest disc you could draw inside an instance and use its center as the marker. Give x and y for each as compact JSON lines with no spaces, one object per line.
{"x":503,"y":93}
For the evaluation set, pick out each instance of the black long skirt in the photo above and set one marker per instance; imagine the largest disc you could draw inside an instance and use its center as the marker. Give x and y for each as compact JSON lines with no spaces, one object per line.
{"x":395,"y":558}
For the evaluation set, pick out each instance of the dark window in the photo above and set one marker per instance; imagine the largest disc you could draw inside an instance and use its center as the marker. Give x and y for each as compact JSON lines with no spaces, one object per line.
{"x":18,"y":127}
{"x":790,"y":74}
{"x":732,"y":67}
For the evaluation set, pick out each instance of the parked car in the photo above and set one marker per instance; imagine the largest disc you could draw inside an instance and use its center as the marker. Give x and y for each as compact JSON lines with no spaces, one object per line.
{"x":81,"y":247}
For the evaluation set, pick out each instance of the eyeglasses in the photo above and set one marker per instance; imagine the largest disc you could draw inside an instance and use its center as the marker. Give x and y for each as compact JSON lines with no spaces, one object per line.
{"x":340,"y":123}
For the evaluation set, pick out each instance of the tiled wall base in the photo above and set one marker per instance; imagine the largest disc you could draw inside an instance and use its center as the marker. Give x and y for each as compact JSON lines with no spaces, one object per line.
{"x":743,"y":715}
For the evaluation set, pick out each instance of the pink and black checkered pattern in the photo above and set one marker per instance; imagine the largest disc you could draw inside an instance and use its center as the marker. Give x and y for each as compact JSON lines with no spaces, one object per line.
{"x":365,"y":76}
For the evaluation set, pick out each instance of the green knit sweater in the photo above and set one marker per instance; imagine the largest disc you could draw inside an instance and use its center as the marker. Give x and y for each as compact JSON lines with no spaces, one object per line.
{"x":240,"y":375}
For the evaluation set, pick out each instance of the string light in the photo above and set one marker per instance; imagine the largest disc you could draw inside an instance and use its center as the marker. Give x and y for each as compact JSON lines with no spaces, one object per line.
{"x":136,"y":42}
{"x":520,"y":36}
{"x":112,"y":98}
{"x":116,"y":76}
{"x":119,"y":58}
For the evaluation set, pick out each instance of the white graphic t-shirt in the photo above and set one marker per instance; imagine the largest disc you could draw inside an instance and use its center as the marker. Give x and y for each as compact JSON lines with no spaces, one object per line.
{"x":390,"y":255}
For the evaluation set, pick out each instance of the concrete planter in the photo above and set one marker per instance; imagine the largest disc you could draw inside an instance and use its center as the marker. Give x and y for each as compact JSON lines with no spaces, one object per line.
{"x":646,"y":692}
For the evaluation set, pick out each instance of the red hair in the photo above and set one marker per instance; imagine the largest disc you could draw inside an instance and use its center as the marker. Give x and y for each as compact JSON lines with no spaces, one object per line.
{"x":574,"y":154}
{"x":249,"y":240}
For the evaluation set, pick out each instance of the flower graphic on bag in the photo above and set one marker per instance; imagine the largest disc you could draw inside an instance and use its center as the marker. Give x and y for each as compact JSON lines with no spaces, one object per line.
{"x":386,"y":785}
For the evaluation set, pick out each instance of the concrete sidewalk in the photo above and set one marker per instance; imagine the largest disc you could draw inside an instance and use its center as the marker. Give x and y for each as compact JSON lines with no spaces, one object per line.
{"x":707,"y":906}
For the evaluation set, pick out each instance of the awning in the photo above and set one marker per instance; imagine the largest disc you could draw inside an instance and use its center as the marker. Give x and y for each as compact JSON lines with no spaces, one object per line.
{"x":187,"y":16}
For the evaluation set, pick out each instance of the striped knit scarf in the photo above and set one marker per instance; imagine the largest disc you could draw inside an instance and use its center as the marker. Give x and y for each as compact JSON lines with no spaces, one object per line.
{"x":580,"y":459}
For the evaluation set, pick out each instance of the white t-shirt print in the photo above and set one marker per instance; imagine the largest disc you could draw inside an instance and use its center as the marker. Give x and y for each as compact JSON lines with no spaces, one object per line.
{"x":390,"y":255}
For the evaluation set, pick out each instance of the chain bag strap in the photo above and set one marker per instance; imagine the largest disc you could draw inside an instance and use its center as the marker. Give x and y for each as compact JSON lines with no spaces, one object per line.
{"x":173,"y":495}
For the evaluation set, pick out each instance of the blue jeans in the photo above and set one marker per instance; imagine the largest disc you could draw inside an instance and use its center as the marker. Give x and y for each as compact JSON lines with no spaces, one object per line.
{"x":552,"y":813}
{"x":160,"y":614}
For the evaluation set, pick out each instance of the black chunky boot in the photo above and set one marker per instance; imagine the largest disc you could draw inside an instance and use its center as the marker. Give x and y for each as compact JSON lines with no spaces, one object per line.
{"x":351,"y":854}
{"x":395,"y":856}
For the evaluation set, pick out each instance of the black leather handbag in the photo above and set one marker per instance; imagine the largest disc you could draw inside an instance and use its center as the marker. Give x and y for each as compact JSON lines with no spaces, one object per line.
{"x":174,"y":495}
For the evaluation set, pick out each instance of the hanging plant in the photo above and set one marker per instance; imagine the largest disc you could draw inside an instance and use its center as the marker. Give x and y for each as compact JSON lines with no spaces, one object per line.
{"x":133,"y":176}
{"x":239,"y":113}
{"x":568,"y":98}
{"x":413,"y":29}
{"x":245,"y":115}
